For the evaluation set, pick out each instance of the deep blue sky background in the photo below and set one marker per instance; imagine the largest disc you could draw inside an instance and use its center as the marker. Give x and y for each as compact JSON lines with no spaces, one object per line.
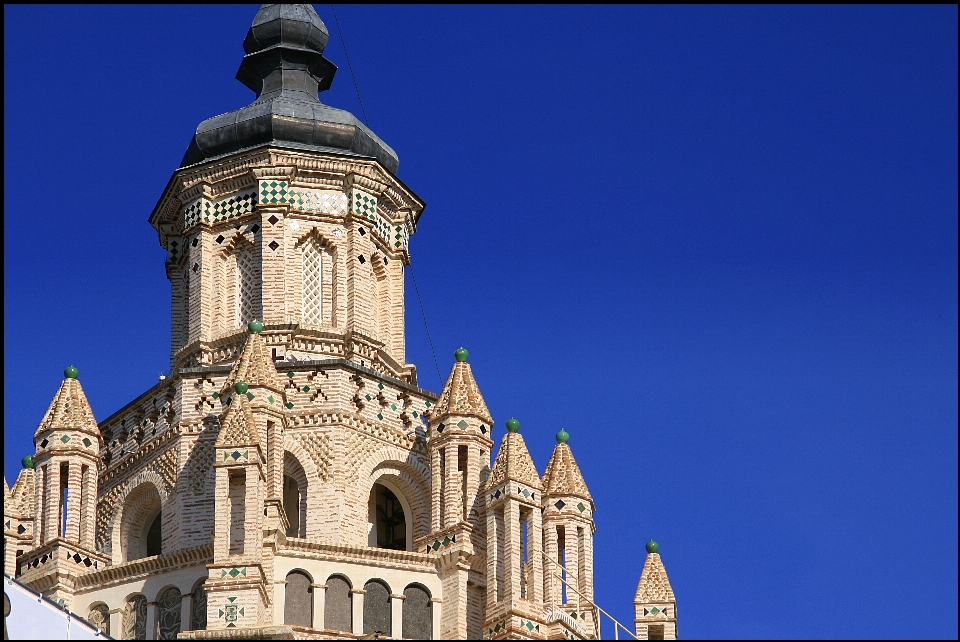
{"x":717,"y":245}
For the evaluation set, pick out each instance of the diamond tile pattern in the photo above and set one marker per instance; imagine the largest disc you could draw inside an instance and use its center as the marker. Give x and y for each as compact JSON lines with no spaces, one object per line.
{"x":218,"y":211}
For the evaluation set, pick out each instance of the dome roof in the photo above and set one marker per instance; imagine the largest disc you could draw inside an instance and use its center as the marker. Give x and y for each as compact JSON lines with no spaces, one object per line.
{"x":285,"y":66}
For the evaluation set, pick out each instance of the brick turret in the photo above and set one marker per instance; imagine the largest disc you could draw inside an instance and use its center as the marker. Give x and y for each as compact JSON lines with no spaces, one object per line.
{"x":655,"y":606}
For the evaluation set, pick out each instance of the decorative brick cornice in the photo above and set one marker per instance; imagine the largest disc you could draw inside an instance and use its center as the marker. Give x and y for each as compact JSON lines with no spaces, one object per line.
{"x":139,"y":569}
{"x":386,"y":558}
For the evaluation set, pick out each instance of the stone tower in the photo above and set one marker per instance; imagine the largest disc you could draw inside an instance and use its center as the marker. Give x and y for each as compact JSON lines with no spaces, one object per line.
{"x":459,"y":445}
{"x":289,"y":479}
{"x":287,"y":211}
{"x":568,"y":535}
{"x":512,"y":496}
{"x":655,"y":607}
{"x":66,"y":462}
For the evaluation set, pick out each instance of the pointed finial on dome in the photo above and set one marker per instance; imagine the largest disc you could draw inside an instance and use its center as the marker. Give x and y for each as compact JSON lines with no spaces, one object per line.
{"x":27,"y":461}
{"x":255,"y":327}
{"x":461,"y":355}
{"x":563,"y":436}
{"x":513,"y":425}
{"x":70,"y":372}
{"x":652,"y":547}
{"x":285,"y":53}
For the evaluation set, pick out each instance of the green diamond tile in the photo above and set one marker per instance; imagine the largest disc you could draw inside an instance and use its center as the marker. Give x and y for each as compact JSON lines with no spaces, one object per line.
{"x":87,"y":442}
{"x":271,"y":399}
{"x":526,"y":493}
{"x":234,"y":572}
{"x":436,"y":544}
{"x":581,"y":507}
{"x":446,"y":541}
{"x":65,"y":438}
{"x":290,"y":374}
{"x":380,"y":385}
{"x":379,"y":416}
{"x":393,"y":406}
{"x":250,"y":396}
{"x":306,"y":388}
{"x":462,"y":425}
{"x":429,"y":404}
{"x":290,"y":405}
{"x":368,"y":397}
{"x":414,"y":413}
{"x":654,"y":611}
{"x":216,"y":395}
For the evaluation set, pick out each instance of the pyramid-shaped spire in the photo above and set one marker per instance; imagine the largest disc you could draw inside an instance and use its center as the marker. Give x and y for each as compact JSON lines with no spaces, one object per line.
{"x":69,"y":409}
{"x":513,"y":462}
{"x":238,"y":427}
{"x":563,"y":476}
{"x":460,"y":395}
{"x":255,"y":365}
{"x":654,"y":586}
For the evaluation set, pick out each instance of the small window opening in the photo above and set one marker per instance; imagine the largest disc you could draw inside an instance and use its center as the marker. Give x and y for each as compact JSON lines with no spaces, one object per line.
{"x":291,"y":505}
{"x":655,"y":632}
{"x":154,"y":537}
{"x":391,"y":522}
{"x":562,"y":558}
{"x":64,"y":497}
{"x":462,"y":478}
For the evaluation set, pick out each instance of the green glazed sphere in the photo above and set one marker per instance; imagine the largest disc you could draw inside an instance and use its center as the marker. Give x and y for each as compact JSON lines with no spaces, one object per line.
{"x":27,"y":461}
{"x":652,"y":547}
{"x":563,"y":436}
{"x":513,"y":425}
{"x":71,"y":373}
{"x":461,"y":354}
{"x":240,"y":387}
{"x":254,"y":327}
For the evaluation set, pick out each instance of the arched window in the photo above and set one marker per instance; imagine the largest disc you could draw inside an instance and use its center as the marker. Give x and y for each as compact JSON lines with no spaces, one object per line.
{"x":338,"y":605}
{"x":134,"y":622}
{"x":388,"y":522}
{"x":294,"y":496}
{"x":141,"y":533}
{"x":154,"y":536}
{"x":298,"y":600}
{"x":376,"y":608}
{"x":417,"y":613}
{"x":168,"y":606}
{"x":198,"y":612}
{"x":100,"y":617}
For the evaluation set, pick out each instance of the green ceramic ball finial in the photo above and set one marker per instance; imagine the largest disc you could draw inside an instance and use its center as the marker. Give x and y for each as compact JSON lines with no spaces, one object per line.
{"x":27,"y":461}
{"x":240,"y":387}
{"x":461,"y":355}
{"x":563,"y":436}
{"x":70,"y":372}
{"x":513,"y":425}
{"x":652,"y":547}
{"x":254,"y":327}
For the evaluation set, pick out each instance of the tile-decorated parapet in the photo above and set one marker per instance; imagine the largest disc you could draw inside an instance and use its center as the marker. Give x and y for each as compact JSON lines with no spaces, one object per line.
{"x":508,"y":489}
{"x":560,"y":507}
{"x":203,"y":210}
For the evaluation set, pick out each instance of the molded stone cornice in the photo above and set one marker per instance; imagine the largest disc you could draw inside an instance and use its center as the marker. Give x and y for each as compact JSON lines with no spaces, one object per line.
{"x":143,"y":568}
{"x":384,"y":557}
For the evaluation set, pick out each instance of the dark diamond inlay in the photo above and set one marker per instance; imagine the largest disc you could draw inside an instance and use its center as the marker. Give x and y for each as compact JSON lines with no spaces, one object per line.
{"x":361,"y":259}
{"x":361,"y":230}
{"x":195,"y":241}
{"x":273,"y":245}
{"x":559,"y":504}
{"x":220,"y":239}
{"x":255,"y":229}
{"x":273,"y":220}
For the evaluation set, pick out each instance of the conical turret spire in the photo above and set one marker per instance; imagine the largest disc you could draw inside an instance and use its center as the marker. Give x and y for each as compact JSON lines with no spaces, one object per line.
{"x":513,"y":461}
{"x":563,"y":476}
{"x":69,"y":409}
{"x":238,"y":427}
{"x":255,"y":365}
{"x":654,"y":586}
{"x":460,"y":395}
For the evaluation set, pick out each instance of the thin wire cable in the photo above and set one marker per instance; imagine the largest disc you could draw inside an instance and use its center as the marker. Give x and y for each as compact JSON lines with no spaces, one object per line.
{"x":350,"y":66}
{"x":423,"y":312}
{"x":367,"y":122}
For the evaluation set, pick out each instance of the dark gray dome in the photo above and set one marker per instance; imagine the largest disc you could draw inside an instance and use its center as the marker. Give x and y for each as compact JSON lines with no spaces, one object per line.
{"x":285,"y":66}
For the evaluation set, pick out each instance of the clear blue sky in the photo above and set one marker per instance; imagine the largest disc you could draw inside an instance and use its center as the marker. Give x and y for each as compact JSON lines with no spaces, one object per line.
{"x":717,"y":245}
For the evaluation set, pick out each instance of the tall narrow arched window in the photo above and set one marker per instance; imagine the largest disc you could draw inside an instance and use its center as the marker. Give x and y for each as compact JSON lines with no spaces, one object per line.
{"x":387,"y":519}
{"x":376,"y":608}
{"x":168,"y":607}
{"x":312,"y":282}
{"x":198,"y":612}
{"x":298,"y":600}
{"x":294,"y":496}
{"x":134,"y":621}
{"x":155,"y":536}
{"x":338,"y":605}
{"x":417,"y":613}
